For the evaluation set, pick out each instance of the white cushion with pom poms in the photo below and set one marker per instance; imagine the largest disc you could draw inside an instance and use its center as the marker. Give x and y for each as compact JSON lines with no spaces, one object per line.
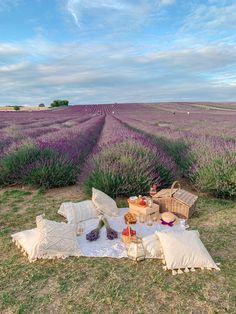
{"x":184,"y":250}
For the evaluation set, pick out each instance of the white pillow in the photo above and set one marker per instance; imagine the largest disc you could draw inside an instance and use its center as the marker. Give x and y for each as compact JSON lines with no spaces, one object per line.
{"x":56,"y":239}
{"x":184,"y":250}
{"x":77,"y":212}
{"x":152,"y":246}
{"x":104,"y":203}
{"x":27,"y":241}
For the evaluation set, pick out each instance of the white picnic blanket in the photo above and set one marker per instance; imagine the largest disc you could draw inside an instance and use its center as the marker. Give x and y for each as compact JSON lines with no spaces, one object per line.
{"x":103,"y":247}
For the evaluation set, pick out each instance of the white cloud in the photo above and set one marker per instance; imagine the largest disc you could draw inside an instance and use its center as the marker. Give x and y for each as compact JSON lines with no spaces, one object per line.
{"x":118,"y":13}
{"x":166,"y":2}
{"x":198,"y":59}
{"x":72,"y":9}
{"x":109,"y":4}
{"x":12,"y":67}
{"x":6,"y":5}
{"x":219,"y":15}
{"x":6,"y":48}
{"x":97,"y":73}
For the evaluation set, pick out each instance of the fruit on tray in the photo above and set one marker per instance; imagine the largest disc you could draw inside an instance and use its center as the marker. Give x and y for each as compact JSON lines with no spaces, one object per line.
{"x":127,"y":232}
{"x":142,"y":201}
{"x":130,"y":218}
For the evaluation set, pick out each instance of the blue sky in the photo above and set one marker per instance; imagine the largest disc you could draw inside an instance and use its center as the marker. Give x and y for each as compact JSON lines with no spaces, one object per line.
{"x":103,"y":51}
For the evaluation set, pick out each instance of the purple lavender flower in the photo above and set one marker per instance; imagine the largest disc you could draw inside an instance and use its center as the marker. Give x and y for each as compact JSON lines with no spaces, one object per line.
{"x":111,"y":233}
{"x":94,"y":234}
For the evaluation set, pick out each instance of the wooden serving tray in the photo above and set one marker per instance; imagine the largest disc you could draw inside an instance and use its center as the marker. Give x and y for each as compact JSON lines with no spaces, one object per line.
{"x":143,"y":210}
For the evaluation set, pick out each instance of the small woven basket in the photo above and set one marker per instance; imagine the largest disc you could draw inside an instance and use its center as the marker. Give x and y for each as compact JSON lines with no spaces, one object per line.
{"x":128,"y":238}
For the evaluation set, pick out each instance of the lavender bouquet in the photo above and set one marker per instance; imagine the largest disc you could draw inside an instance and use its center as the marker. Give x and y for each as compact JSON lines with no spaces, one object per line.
{"x":94,"y":234}
{"x":111,"y":233}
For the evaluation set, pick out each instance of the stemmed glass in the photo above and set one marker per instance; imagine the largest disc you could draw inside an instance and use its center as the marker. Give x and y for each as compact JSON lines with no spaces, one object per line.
{"x":150,"y":202}
{"x":149,"y":221}
{"x":141,"y":219}
{"x":154,"y":218}
{"x":153,"y":190}
{"x":80,"y":228}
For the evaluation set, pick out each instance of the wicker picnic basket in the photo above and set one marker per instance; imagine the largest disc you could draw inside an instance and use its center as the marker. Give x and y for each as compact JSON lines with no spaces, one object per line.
{"x":176,"y":200}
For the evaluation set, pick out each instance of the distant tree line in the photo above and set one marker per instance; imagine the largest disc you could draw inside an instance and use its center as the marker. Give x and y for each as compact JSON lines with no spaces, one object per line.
{"x":59,"y":103}
{"x":56,"y":103}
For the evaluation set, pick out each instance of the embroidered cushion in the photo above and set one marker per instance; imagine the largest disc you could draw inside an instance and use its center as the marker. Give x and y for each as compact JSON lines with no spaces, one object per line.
{"x":104,"y":203}
{"x":184,"y":250}
{"x":77,"y":212}
{"x":56,"y":239}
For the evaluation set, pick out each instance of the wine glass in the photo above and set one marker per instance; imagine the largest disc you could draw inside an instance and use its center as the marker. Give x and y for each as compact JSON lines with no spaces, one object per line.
{"x":80,"y":228}
{"x":149,"y":221}
{"x":141,"y":219}
{"x":150,"y":202}
{"x":153,"y":190}
{"x":154,"y":217}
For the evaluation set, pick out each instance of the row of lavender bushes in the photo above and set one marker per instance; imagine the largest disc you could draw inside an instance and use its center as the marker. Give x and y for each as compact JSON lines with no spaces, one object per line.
{"x":214,"y":167}
{"x":41,"y":168}
{"x":176,"y":148}
{"x":52,"y":160}
{"x":127,"y":158}
{"x":126,"y":162}
{"x":208,"y":162}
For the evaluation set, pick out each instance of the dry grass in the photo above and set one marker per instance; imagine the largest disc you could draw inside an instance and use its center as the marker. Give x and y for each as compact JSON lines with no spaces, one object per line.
{"x":102,"y":285}
{"x":26,"y":108}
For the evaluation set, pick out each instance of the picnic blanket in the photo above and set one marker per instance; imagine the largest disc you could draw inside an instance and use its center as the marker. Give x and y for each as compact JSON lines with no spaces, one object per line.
{"x":28,"y":240}
{"x":116,"y":248}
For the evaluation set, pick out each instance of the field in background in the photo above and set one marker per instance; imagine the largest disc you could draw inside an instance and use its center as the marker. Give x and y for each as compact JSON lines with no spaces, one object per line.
{"x":60,"y":147}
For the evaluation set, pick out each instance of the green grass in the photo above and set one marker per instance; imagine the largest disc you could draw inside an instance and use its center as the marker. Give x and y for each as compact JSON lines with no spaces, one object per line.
{"x":103,"y":285}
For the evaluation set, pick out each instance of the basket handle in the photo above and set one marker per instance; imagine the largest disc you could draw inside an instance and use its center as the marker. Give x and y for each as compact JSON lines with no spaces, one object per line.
{"x":172,"y":187}
{"x":129,"y":233}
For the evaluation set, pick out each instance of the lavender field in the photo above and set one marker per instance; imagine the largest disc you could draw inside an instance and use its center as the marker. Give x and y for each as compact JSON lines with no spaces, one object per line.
{"x":121,"y":148}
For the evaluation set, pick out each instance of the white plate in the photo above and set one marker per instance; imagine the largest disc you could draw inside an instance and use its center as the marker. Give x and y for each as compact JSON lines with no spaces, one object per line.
{"x":133,"y":198}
